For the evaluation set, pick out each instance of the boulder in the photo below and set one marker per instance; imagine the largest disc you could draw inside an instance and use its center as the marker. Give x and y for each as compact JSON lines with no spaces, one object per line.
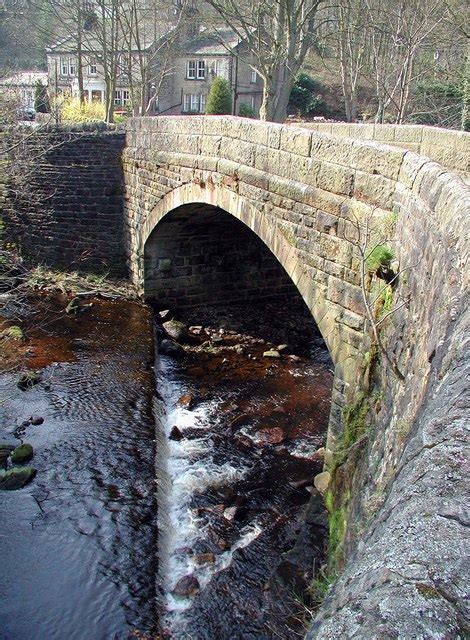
{"x":176,"y":330}
{"x":230,"y":513}
{"x":36,"y":420}
{"x":21,"y":454}
{"x":175,"y":434}
{"x":16,"y":478}
{"x":271,"y":353}
{"x":319,"y":454}
{"x":186,"y":587}
{"x":170,"y":348}
{"x":186,"y":401}
{"x":205,"y":558}
{"x":275,"y":435}
{"x":321,"y":481}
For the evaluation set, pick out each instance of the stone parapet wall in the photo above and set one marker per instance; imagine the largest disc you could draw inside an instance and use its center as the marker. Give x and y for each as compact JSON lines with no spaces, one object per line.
{"x":449,"y":147}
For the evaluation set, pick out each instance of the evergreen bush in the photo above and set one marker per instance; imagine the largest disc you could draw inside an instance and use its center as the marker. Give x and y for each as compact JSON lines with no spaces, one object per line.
{"x":219,"y":100}
{"x":246,"y":111}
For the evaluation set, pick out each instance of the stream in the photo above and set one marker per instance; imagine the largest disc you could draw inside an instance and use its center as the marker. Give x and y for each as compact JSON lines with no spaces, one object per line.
{"x":171,"y":485}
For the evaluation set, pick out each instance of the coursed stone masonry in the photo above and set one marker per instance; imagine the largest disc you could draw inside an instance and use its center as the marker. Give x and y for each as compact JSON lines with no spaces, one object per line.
{"x":297,"y":190}
{"x":66,"y":210}
{"x":449,"y":147}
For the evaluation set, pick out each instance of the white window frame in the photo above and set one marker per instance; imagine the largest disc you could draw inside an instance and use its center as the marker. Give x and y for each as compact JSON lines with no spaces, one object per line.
{"x":201,"y":69}
{"x":64,"y":67}
{"x":72,"y":67}
{"x":191,"y":70}
{"x":92,"y":67}
{"x":254,"y":76}
{"x":253,"y":102}
{"x":202,"y":103}
{"x":195,"y":103}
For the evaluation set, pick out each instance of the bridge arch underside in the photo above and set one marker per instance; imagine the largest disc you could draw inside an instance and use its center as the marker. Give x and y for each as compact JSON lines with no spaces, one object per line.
{"x":201,"y":246}
{"x":199,"y":255}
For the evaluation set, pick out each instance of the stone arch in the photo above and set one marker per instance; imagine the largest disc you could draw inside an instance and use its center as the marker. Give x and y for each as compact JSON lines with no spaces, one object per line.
{"x":347,"y":361}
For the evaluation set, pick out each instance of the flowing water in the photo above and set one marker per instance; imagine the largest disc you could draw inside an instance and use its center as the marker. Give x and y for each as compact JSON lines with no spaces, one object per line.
{"x":170,"y":490}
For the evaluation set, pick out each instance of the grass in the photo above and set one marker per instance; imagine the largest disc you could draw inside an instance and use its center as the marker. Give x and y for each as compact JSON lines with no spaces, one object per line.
{"x":380,"y":256}
{"x":43,"y":279}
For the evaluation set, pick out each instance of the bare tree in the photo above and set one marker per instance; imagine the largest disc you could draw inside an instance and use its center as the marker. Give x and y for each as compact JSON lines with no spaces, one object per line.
{"x":278,"y":34}
{"x":149,"y":40}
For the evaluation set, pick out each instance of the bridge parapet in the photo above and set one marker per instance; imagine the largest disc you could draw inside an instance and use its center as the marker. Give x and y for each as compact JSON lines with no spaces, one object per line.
{"x":449,"y":147}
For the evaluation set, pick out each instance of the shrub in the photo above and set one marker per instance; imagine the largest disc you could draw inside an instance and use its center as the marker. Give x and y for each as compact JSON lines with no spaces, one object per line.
{"x":246,"y":111}
{"x":380,"y":256}
{"x":41,"y":99}
{"x":303,"y":97}
{"x":219,"y":100}
{"x":72,"y":111}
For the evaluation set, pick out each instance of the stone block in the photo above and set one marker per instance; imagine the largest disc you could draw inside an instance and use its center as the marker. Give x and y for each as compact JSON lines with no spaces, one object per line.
{"x":296,"y":141}
{"x":374,"y":189}
{"x":335,"y":179}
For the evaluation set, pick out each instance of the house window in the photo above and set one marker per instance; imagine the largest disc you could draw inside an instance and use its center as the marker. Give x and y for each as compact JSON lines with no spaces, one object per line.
{"x":202,"y":107}
{"x":64,"y":67}
{"x":194,"y":103}
{"x":253,"y":102}
{"x":191,"y":71}
{"x":122,"y":98}
{"x":72,"y":67}
{"x":254,"y":76}
{"x":201,"y":69}
{"x":196,"y":70}
{"x":92,"y":67}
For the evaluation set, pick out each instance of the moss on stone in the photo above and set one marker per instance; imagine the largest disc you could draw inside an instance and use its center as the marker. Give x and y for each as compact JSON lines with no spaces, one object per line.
{"x":14,"y":332}
{"x":428,"y":592}
{"x":355,"y":420}
{"x":380,"y":256}
{"x":21,"y":454}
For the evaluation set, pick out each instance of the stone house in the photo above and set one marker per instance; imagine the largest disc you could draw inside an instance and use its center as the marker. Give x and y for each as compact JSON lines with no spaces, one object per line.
{"x":198,"y":54}
{"x":21,"y":87}
{"x":199,"y":57}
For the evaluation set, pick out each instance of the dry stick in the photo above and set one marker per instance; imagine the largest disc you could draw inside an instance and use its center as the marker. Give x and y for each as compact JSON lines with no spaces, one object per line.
{"x":370,"y":316}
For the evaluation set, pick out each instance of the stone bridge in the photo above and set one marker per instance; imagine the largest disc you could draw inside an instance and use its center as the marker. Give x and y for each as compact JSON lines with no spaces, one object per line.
{"x":300,"y":192}
{"x":191,"y":183}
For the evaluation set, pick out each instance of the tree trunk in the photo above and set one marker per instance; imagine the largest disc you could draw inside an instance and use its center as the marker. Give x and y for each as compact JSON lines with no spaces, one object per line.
{"x":266,"y":111}
{"x":283,"y":96}
{"x":81,"y":91}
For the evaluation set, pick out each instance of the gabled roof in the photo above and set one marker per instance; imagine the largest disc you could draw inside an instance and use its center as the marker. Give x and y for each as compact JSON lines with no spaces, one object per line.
{"x":25,"y":79}
{"x":149,"y":33}
{"x":212,"y":42}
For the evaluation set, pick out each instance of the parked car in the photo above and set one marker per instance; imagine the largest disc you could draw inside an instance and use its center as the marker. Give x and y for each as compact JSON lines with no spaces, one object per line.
{"x":27,"y":113}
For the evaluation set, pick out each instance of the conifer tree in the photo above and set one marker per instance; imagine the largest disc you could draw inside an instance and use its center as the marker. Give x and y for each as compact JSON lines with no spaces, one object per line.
{"x":219,"y":100}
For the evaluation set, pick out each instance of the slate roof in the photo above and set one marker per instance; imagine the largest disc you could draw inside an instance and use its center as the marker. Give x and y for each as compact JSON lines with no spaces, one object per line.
{"x":210,"y":42}
{"x":25,"y":79}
